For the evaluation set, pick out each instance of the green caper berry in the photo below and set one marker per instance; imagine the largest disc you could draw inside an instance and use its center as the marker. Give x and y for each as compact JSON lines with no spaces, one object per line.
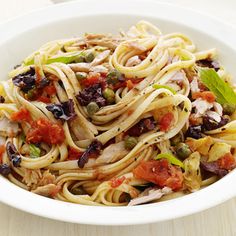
{"x":183,"y":150}
{"x":80,"y":59}
{"x":92,"y":108}
{"x":109,"y":95}
{"x":80,"y":75}
{"x":30,"y":94}
{"x":176,"y":139}
{"x":113,"y":77}
{"x":77,"y":191}
{"x":89,"y":57}
{"x":229,"y":109}
{"x":130,"y":143}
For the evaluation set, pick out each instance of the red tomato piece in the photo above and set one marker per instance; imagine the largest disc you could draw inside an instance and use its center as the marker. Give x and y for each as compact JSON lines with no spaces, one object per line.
{"x":166,"y":121}
{"x":50,"y":90}
{"x":22,"y":115}
{"x":116,"y":182}
{"x":206,"y":95}
{"x":2,"y":150}
{"x":227,"y":162}
{"x":44,"y":130}
{"x":74,"y":154}
{"x":94,"y":78}
{"x":55,"y":191}
{"x":119,"y":85}
{"x":160,"y":172}
{"x":44,"y":99}
{"x":129,"y":84}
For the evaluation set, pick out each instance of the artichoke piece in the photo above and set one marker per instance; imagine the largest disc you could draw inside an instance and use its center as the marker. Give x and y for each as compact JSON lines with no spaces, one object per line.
{"x":192,"y":174}
{"x":218,"y":150}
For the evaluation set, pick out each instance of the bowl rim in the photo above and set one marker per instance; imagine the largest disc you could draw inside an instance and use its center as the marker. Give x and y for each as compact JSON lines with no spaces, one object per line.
{"x":150,"y":213}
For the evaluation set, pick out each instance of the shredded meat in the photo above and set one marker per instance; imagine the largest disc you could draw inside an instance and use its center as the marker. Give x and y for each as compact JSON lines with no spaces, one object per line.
{"x":8,"y":128}
{"x":102,"y":40}
{"x":31,"y":177}
{"x":99,"y":69}
{"x":136,"y":46}
{"x":149,"y":195}
{"x":101,"y":57}
{"x":49,"y":190}
{"x":80,"y":67}
{"x":47,"y":178}
{"x":34,"y":178}
{"x":112,"y":153}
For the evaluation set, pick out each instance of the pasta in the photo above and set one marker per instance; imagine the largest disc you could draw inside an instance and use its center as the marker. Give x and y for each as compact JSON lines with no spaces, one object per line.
{"x":117,"y":120}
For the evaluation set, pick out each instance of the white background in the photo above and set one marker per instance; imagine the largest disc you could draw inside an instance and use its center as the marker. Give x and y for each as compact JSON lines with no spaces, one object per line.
{"x":218,"y":221}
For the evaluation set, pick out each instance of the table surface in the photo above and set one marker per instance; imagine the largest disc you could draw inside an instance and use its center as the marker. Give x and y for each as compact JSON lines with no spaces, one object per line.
{"x":218,"y":221}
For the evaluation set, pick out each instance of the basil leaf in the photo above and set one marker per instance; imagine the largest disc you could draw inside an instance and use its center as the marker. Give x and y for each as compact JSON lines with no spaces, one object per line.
{"x":223,"y":91}
{"x":66,"y":59}
{"x":34,"y":151}
{"x":158,"y":86}
{"x":171,"y":158}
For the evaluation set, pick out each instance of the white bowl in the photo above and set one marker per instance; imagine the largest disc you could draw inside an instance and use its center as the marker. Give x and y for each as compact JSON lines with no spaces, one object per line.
{"x":22,"y":35}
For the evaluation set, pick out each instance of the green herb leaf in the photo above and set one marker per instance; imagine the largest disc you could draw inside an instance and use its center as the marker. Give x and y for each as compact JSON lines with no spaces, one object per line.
{"x":22,"y":137}
{"x":223,"y":91}
{"x":158,"y":86}
{"x":34,"y":151}
{"x":171,"y":158}
{"x":64,"y":59}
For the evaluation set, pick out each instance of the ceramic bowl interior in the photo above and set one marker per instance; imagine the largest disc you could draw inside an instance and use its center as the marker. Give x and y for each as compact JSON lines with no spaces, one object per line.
{"x":19,"y":37}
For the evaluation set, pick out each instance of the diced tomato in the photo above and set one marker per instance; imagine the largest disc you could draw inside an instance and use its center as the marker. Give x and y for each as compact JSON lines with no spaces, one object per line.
{"x":44,"y":130}
{"x":116,"y":182}
{"x":135,"y":80}
{"x":160,"y":172}
{"x":227,"y":162}
{"x":74,"y":154}
{"x":23,"y":115}
{"x":206,"y":95}
{"x":129,"y":84}
{"x":2,"y":150}
{"x":50,"y":90}
{"x":44,"y":99}
{"x":119,"y":85}
{"x":201,"y":86}
{"x":94,"y":78}
{"x":55,"y":191}
{"x":166,"y":121}
{"x":130,"y":112}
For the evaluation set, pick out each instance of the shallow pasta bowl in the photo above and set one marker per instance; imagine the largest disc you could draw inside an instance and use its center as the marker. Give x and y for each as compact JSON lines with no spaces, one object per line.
{"x":23,"y":35}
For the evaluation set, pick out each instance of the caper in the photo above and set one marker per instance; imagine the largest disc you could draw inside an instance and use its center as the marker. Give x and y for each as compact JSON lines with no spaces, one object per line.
{"x":130,"y":142}
{"x":80,"y":75}
{"x":92,"y":108}
{"x":109,"y":95}
{"x":183,"y":150}
{"x":30,"y":94}
{"x":229,"y":109}
{"x":80,"y":59}
{"x":89,"y":57}
{"x":77,"y":191}
{"x":114,"y":77}
{"x":176,"y":139}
